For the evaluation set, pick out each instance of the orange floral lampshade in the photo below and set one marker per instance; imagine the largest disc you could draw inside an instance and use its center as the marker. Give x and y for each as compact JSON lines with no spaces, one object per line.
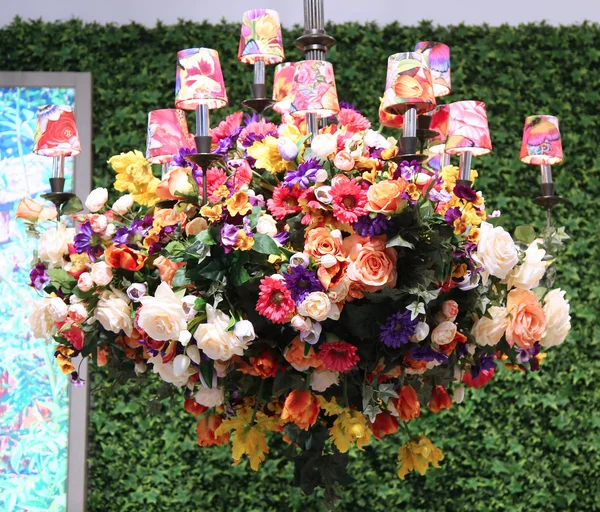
{"x":468,"y":129}
{"x":199,"y":80}
{"x":261,"y":37}
{"x":541,"y":141}
{"x":390,"y":120}
{"x":282,"y":87}
{"x":408,"y":83}
{"x":439,"y":123}
{"x":167,"y":134}
{"x":313,"y":89}
{"x":438,"y":56}
{"x":56,"y":132}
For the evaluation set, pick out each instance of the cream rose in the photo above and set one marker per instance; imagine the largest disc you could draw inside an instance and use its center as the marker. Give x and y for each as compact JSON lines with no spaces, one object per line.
{"x":320,"y":380}
{"x":210,"y":397}
{"x":181,"y":362}
{"x":267,"y":225}
{"x":215,"y":340}
{"x":489,"y":331}
{"x":324,"y":144}
{"x":316,"y":305}
{"x":162,"y":317}
{"x":96,"y":199}
{"x":444,"y":333}
{"x":85,"y":282}
{"x":54,"y":245}
{"x":496,"y":251}
{"x":558,"y":321}
{"x":421,"y":332}
{"x":101,"y":273}
{"x":167,"y":372}
{"x":527,"y":275}
{"x":123,"y":204}
{"x":244,"y":330}
{"x":45,"y":313}
{"x":114,"y":312}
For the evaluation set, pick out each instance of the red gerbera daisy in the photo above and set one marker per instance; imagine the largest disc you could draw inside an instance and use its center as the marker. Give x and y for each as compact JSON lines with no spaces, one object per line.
{"x":227,"y":127}
{"x":349,"y":200}
{"x":284,"y":201}
{"x":216,"y":178}
{"x":338,"y":356}
{"x":275,"y":300}
{"x":353,"y":120}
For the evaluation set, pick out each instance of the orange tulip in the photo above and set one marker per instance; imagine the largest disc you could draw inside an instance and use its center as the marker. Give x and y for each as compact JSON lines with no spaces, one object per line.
{"x":407,"y":86}
{"x":206,"y":430}
{"x":265,"y":364}
{"x":193,"y":407}
{"x":440,"y":399}
{"x":167,"y":268}
{"x":407,"y":404}
{"x":302,"y":408}
{"x":124,"y":257}
{"x":384,"y":425}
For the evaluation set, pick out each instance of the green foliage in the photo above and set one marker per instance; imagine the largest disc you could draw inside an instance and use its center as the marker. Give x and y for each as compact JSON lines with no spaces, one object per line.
{"x":524,"y":442}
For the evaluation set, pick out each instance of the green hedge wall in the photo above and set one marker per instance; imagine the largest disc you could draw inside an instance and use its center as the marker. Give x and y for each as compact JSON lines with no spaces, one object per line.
{"x":525,"y":442}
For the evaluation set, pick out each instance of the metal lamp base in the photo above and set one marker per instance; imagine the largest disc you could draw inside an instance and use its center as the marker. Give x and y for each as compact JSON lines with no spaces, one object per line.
{"x":548,"y":202}
{"x":464,"y":183}
{"x":58,"y":198}
{"x":259,"y":105}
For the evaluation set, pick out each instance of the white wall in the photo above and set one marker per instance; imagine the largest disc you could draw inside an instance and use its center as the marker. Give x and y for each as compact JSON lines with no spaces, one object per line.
{"x":407,"y":12}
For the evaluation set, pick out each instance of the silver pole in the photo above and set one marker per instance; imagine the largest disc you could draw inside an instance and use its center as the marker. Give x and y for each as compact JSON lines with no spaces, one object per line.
{"x":202,"y":120}
{"x":259,"y":72}
{"x":444,"y":160}
{"x":465,"y":165}
{"x":165,"y":167}
{"x":58,"y":167}
{"x":312,"y":125}
{"x":546,"y":173}
{"x":409,"y":126}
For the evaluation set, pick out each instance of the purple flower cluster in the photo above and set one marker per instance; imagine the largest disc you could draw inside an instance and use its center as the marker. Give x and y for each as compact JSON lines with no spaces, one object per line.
{"x":87,"y":241}
{"x":180,"y":161}
{"x":163,"y":237}
{"x":428,"y":354}
{"x":305,"y":175}
{"x":372,"y":226}
{"x":229,"y":235}
{"x":408,"y":170}
{"x":134,"y":235}
{"x":397,"y":329}
{"x":486,"y":362}
{"x":464,"y":192}
{"x":452,"y":214}
{"x":227,"y":143}
{"x":301,"y":282}
{"x":38,"y":276}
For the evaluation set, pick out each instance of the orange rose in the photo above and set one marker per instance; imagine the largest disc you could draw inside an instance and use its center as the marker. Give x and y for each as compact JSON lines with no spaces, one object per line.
{"x":167,"y":217}
{"x":124,"y":257}
{"x":407,"y":86}
{"x":195,"y":226}
{"x":175,"y":185}
{"x":407,"y":404}
{"x":528,"y":321}
{"x":167,"y":269}
{"x":440,"y":399}
{"x":206,"y":430}
{"x":29,"y":210}
{"x":102,"y":355}
{"x":302,"y":408}
{"x":265,"y":364}
{"x":384,"y":425}
{"x":320,"y":242}
{"x":371,"y":264}
{"x":193,"y":407}
{"x":386,"y":196}
{"x":294,"y":354}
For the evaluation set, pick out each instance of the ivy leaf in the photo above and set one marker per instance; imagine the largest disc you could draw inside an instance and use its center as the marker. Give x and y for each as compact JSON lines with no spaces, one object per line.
{"x":73,"y":205}
{"x":206,"y":237}
{"x":525,"y":233}
{"x":398,"y":241}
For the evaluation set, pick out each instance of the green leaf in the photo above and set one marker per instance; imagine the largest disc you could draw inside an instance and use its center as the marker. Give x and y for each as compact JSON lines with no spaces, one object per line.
{"x":180,"y":279}
{"x":398,"y":241}
{"x":525,"y":233}
{"x":73,"y":205}
{"x":265,"y":244}
{"x":254,"y":216}
{"x":206,"y":237}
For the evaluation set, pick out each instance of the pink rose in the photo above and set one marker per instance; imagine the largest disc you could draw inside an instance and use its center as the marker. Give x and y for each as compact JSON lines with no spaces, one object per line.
{"x":450,"y":310}
{"x":344,"y":161}
{"x":444,"y":333}
{"x":528,"y":320}
{"x":306,"y":75}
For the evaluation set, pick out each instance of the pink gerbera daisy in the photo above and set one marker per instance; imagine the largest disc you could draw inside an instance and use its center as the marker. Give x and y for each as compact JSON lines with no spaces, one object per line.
{"x":227,"y":127}
{"x":349,"y":200}
{"x":338,"y":356}
{"x":275,"y":301}
{"x":353,"y":120}
{"x":284,"y":201}
{"x":216,"y":178}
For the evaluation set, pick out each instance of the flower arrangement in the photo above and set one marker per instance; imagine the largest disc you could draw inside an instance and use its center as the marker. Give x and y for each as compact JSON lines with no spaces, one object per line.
{"x":324,"y":293}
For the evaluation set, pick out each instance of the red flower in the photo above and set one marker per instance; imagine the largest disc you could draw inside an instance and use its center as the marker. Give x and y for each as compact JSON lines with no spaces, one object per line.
{"x":275,"y":300}
{"x":384,"y":425}
{"x":227,"y":127}
{"x":302,"y":408}
{"x":216,"y":178}
{"x":71,"y":332}
{"x":482,"y":379}
{"x":440,"y":399}
{"x":353,"y":120}
{"x":338,"y":356}
{"x":193,"y":407}
{"x":265,"y":364}
{"x":124,"y":257}
{"x":349,"y":200}
{"x":206,"y":430}
{"x":284,"y":201}
{"x":407,"y":404}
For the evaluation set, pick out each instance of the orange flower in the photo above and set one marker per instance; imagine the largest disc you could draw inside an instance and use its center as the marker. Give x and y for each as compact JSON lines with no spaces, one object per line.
{"x":407,"y":86}
{"x":302,"y":408}
{"x":29,"y":210}
{"x":384,"y":425}
{"x":102,"y":355}
{"x":528,"y":320}
{"x":407,"y":404}
{"x":386,"y":196}
{"x":175,"y":185}
{"x":372,"y":265}
{"x":212,"y":213}
{"x":206,"y":430}
{"x":320,"y":242}
{"x":167,"y":217}
{"x":195,"y":226}
{"x":124,"y":257}
{"x":238,"y":204}
{"x":167,"y":268}
{"x":193,"y":407}
{"x":294,"y":354}
{"x":440,"y":399}
{"x":265,"y":364}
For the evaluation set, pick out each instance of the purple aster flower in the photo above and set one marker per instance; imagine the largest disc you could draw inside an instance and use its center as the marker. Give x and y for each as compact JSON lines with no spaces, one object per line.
{"x":452,"y":214}
{"x":439,"y":196}
{"x":345,"y":104}
{"x":229,"y":235}
{"x":300,"y":282}
{"x":464,"y":192}
{"x":372,"y":226}
{"x":408,"y":170}
{"x":38,"y":276}
{"x":163,"y":237}
{"x":486,"y":362}
{"x":397,"y":329}
{"x":227,"y":143}
{"x":427,"y":354}
{"x":134,"y":235}
{"x":179,"y":159}
{"x":247,"y":227}
{"x":87,"y":241}
{"x":304,"y":175}
{"x":281,"y":238}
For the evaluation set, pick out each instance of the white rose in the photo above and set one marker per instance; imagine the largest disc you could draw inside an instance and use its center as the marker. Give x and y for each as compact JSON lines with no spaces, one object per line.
{"x":321,"y":380}
{"x":162,"y":316}
{"x":57,"y":309}
{"x":496,"y":251}
{"x":324,"y":144}
{"x":193,"y":353}
{"x":123,"y":204}
{"x":187,"y":303}
{"x":113,"y":312}
{"x":244,"y":330}
{"x":323,"y":194}
{"x":421,"y":332}
{"x":527,"y":275}
{"x":42,"y":317}
{"x":85,"y":282}
{"x":316,"y":305}
{"x":210,"y":397}
{"x":558,"y":321}
{"x":300,"y":323}
{"x":109,"y":232}
{"x":489,"y":331}
{"x":96,"y":200}
{"x":101,"y":273}
{"x":213,"y":338}
{"x":444,"y":333}
{"x":167,"y":372}
{"x":267,"y":225}
{"x":54,"y":245}
{"x":184,"y":337}
{"x":321,"y":176}
{"x":328,"y":260}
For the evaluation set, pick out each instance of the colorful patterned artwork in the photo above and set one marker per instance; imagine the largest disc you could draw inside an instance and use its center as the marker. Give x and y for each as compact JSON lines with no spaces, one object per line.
{"x":261,"y":37}
{"x":33,"y":392}
{"x":314,"y":89}
{"x":541,"y":141}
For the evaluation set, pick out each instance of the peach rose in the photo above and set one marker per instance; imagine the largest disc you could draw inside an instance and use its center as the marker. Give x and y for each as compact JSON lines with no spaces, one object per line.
{"x":320,"y":242}
{"x":444,"y":333}
{"x":371,"y":264}
{"x":528,"y":320}
{"x":344,"y":161}
{"x":450,"y":310}
{"x":195,"y":226}
{"x":29,"y":210}
{"x":166,"y":269}
{"x":386,"y":196}
{"x":175,"y":185}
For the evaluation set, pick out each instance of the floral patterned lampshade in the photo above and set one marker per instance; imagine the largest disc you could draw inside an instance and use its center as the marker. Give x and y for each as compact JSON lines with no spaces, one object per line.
{"x":167,"y":134}
{"x":439,"y":123}
{"x":56,"y":131}
{"x":438,"y":56}
{"x":313,"y":89}
{"x":390,"y":120}
{"x":408,"y":83}
{"x":541,"y":141}
{"x":199,"y":79}
{"x":261,"y":37}
{"x":468,"y":129}
{"x":282,"y":87}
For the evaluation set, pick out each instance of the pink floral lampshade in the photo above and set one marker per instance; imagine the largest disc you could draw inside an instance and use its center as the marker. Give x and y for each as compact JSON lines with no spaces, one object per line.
{"x":56,"y":132}
{"x":261,"y":37}
{"x":438,"y":56}
{"x":167,"y":134}
{"x":408,"y":83}
{"x":541,"y":141}
{"x":199,"y":80}
{"x":282,"y":87}
{"x":439,"y":123}
{"x":314,"y":89}
{"x":390,"y":120}
{"x":468,"y":129}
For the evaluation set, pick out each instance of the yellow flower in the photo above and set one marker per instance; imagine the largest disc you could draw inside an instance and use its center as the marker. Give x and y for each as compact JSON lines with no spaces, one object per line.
{"x":413,"y":192}
{"x":459,"y":271}
{"x":212,"y":213}
{"x":266,"y":154}
{"x":291,"y":132}
{"x":238,"y":204}
{"x":222,"y":191}
{"x":331,"y":408}
{"x":134,"y":175}
{"x":350,"y":427}
{"x":244,"y":242}
{"x":266,"y":27}
{"x":450,"y":175}
{"x":63,"y":355}
{"x":388,"y":153}
{"x":416,"y":455}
